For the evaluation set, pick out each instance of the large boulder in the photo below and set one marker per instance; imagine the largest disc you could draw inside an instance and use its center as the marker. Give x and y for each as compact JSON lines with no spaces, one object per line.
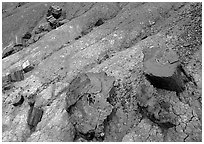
{"x":87,"y":103}
{"x":162,"y":68}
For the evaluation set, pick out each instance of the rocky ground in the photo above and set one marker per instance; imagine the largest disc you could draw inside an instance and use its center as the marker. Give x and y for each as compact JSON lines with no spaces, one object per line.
{"x":107,"y":72}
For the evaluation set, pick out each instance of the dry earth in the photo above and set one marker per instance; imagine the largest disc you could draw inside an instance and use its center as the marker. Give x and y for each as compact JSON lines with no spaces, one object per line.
{"x":112,"y":72}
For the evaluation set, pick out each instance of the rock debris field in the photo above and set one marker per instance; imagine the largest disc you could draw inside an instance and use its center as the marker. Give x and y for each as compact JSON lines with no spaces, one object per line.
{"x":101,"y":72}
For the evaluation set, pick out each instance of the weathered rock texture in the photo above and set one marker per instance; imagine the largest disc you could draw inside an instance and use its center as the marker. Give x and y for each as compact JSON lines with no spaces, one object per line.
{"x":109,"y":72}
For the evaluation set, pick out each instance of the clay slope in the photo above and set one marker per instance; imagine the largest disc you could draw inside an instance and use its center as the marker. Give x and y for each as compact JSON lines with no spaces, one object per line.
{"x":111,"y":72}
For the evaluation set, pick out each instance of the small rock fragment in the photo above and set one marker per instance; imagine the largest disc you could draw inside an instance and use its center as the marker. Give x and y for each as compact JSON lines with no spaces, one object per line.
{"x":99,"y":22}
{"x":18,"y":101}
{"x":161,"y":122}
{"x":27,"y":66}
{"x":27,"y":35}
{"x":42,"y":28}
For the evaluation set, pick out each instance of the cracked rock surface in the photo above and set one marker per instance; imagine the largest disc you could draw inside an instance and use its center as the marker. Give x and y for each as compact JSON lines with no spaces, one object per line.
{"x":102,"y":72}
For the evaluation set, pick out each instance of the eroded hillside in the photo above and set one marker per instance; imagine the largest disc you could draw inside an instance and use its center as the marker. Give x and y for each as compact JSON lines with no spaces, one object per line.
{"x":102,"y":72}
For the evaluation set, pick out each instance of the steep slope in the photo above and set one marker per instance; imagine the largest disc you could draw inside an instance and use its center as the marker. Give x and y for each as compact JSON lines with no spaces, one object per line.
{"x":111,"y":72}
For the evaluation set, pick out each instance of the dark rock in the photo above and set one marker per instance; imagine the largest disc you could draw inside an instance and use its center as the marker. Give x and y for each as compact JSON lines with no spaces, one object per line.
{"x":28,"y":35}
{"x":55,"y":11}
{"x":12,"y":49}
{"x":31,"y":102}
{"x":162,"y":125}
{"x":19,"y":101}
{"x":173,"y":83}
{"x":34,"y":116}
{"x":53,"y":14}
{"x":87,"y":103}
{"x":77,"y":37}
{"x":17,"y":76}
{"x":8,"y":52}
{"x":28,"y":68}
{"x":150,"y":115}
{"x":99,"y":22}
{"x":18,"y":45}
{"x":20,"y":4}
{"x":51,"y":19}
{"x":54,"y":23}
{"x":6,"y":87}
{"x":25,"y":39}
{"x":87,"y":136}
{"x":163,"y":69}
{"x":75,"y":89}
{"x":42,"y":28}
{"x":160,"y":62}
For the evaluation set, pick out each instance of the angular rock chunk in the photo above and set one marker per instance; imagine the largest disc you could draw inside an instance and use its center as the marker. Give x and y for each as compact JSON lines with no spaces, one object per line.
{"x":87,"y":102}
{"x":77,"y":87}
{"x":163,"y":69}
{"x":16,"y":76}
{"x":27,"y":66}
{"x":56,"y":11}
{"x":34,"y":117}
{"x":54,"y":16}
